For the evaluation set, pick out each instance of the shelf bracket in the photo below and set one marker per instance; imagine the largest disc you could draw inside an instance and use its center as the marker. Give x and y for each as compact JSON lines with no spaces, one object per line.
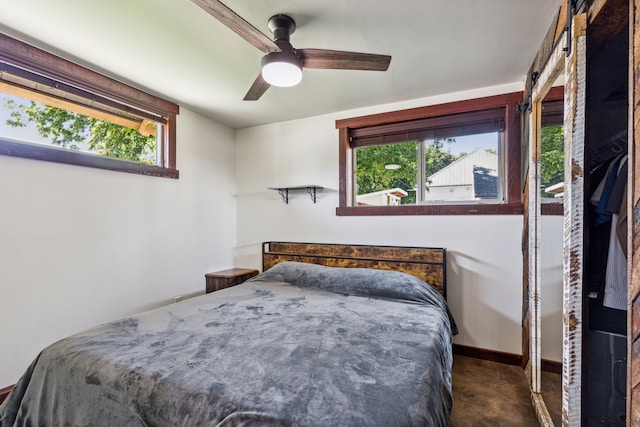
{"x":312,"y":193}
{"x":284,"y":193}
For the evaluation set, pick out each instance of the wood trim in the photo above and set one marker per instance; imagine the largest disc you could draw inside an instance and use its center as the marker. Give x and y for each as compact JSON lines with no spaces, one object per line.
{"x":74,"y":107}
{"x":60,"y":155}
{"x":552,"y":366}
{"x":573,"y":234}
{"x":503,"y":357}
{"x":4,"y":392}
{"x":461,"y":209}
{"x":548,"y":65}
{"x":540,"y":408}
{"x":491,"y":355}
{"x":346,"y":167}
{"x":544,"y":52}
{"x":533,"y":221}
{"x":47,"y":64}
{"x":169,"y":160}
{"x":561,"y":21}
{"x":513,"y":192}
{"x":552,"y":208}
{"x":512,"y":158}
{"x":526,"y":327}
{"x":37,"y":83}
{"x":394,"y":253}
{"x":431,"y":111}
{"x":67,"y":73}
{"x":556,"y":93}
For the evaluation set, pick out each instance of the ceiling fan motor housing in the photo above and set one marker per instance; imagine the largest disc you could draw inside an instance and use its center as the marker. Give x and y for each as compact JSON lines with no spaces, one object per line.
{"x":282,"y":26}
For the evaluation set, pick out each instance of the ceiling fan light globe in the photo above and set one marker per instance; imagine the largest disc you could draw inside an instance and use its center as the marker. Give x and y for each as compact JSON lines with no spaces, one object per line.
{"x":281,"y":70}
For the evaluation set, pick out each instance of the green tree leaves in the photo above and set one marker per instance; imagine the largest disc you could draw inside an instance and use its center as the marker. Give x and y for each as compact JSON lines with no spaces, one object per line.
{"x":383,"y":167}
{"x":551,"y":157}
{"x":435,"y":158}
{"x":372,"y":173}
{"x":75,"y":131}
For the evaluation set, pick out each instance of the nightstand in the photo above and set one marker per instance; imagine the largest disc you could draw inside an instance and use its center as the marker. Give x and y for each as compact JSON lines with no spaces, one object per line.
{"x":227,"y":278}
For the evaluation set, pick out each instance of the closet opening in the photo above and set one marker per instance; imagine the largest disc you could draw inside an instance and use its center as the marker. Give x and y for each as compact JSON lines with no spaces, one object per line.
{"x":605,"y":233}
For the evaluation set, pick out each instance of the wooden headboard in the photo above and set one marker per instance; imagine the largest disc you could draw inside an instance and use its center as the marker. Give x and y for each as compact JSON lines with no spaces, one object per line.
{"x":428,"y":264}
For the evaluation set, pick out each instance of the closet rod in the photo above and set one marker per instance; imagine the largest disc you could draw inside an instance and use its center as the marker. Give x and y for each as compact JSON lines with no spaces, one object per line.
{"x":619,"y":140}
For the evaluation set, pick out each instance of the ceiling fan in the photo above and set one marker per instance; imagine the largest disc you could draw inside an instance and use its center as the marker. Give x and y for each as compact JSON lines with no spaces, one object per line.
{"x":282,"y":65}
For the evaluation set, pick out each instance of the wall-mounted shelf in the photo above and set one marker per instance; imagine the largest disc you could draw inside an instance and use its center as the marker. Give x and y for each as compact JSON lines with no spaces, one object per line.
{"x":284,"y":191}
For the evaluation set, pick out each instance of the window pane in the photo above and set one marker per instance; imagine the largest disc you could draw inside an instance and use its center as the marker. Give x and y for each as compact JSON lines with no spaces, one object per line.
{"x":552,"y":162}
{"x":386,"y":174}
{"x":464,"y":168}
{"x":62,"y":124}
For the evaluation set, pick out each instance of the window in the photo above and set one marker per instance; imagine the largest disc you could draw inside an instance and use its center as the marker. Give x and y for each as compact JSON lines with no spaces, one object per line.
{"x":55,"y":110}
{"x":552,"y":153}
{"x":446,"y":159}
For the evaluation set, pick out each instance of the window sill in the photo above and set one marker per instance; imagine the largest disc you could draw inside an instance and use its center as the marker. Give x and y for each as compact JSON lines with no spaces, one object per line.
{"x":552,"y":208}
{"x":58,"y":155}
{"x":488,"y":209}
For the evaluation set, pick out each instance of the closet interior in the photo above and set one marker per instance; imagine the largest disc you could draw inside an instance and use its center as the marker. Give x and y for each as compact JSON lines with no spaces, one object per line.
{"x":605,"y":223}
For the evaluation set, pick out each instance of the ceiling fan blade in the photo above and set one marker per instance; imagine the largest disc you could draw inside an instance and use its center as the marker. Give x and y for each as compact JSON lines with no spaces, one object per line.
{"x":340,"y":60}
{"x":257,"y":89}
{"x":237,"y":24}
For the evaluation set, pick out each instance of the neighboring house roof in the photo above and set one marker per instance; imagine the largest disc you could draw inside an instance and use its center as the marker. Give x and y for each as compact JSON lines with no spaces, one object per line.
{"x":398,"y":192}
{"x":478,"y":168}
{"x":383,"y":197}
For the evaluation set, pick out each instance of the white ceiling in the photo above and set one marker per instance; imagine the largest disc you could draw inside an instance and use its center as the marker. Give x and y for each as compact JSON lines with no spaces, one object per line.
{"x":174,"y":49}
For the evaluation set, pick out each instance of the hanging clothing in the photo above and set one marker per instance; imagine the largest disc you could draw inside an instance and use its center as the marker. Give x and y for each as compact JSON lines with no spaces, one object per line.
{"x":598,"y":176}
{"x":619,"y":189}
{"x":621,"y":227}
{"x":598,"y":235}
{"x":603,"y":192}
{"x":615,"y":289}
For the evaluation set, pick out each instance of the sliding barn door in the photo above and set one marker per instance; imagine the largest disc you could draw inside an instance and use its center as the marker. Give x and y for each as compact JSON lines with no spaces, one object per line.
{"x":532,"y":207}
{"x":575,"y":93}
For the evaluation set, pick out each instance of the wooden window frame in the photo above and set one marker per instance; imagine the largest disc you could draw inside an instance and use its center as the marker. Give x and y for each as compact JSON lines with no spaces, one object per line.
{"x":512,"y":204}
{"x":65,"y":73}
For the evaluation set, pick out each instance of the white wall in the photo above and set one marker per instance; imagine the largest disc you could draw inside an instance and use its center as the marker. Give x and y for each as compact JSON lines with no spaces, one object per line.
{"x":551,"y":235}
{"x":82,"y":246}
{"x":484,"y":252}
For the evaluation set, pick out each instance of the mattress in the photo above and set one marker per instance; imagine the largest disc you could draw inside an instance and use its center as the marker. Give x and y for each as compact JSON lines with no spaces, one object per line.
{"x":298,"y":345}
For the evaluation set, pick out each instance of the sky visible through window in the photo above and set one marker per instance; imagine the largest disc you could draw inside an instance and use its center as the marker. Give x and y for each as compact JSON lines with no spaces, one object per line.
{"x":22,"y":134}
{"x":388,"y":174}
{"x":74,"y":131}
{"x":466,"y":144}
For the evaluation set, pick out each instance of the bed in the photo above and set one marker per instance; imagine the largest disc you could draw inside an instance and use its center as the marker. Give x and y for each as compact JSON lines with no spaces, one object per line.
{"x":301,"y":344}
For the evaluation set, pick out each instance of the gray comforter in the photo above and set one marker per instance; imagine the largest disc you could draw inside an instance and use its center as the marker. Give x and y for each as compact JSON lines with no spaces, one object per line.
{"x":300,"y":345}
